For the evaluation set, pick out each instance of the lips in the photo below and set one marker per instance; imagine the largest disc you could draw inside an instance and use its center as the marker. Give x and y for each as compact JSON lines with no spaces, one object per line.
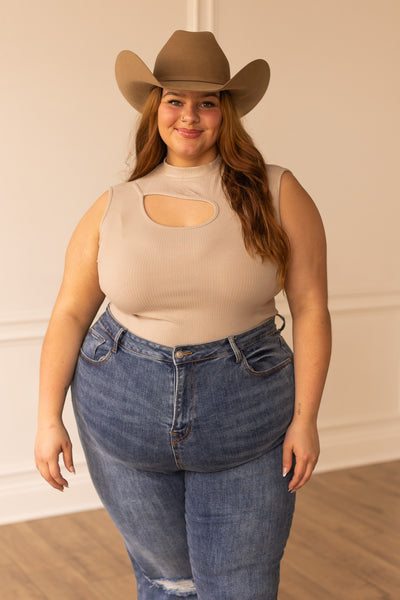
{"x":189,"y":133}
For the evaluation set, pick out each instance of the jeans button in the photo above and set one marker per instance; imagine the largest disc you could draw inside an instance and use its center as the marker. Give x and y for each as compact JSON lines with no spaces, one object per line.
{"x":179,"y":354}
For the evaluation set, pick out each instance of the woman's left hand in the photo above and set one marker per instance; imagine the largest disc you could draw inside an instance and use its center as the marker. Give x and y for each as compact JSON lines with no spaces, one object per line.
{"x":302,"y":442}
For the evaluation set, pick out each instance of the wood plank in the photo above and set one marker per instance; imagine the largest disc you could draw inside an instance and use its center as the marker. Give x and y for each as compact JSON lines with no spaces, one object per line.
{"x":64,"y":584}
{"x":89,"y":555}
{"x":345,"y":537}
{"x":296,"y":585}
{"x":27,"y":549}
{"x":344,"y":545}
{"x":15,"y":585}
{"x":123,"y":588}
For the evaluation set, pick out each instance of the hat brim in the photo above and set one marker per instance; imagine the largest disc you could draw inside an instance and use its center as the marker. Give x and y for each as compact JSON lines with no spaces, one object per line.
{"x":135,"y":80}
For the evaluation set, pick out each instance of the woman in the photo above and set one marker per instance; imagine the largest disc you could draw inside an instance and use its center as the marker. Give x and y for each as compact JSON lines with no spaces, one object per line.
{"x":183,"y":390}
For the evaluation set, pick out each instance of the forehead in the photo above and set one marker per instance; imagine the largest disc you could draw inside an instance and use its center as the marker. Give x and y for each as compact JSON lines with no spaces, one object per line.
{"x":189,"y":94}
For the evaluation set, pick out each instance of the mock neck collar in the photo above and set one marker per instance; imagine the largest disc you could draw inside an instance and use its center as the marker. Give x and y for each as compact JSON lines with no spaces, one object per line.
{"x":185,"y":172}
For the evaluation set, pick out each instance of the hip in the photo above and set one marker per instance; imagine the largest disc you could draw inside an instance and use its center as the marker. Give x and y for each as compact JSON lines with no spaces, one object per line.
{"x":197,"y":407}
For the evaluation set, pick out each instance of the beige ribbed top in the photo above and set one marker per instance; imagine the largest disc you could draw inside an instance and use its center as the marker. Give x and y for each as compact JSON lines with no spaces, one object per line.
{"x":183,"y":285}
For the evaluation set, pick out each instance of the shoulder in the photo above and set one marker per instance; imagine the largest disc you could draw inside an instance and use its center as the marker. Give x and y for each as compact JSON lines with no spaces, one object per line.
{"x":299,"y":213}
{"x":89,"y":225}
{"x":99,"y":207}
{"x":275,"y":171}
{"x":274,"y":176}
{"x":95,"y":213}
{"x":134,"y":187}
{"x":293,"y":195}
{"x":125,"y":186}
{"x":149,"y":177}
{"x":120,"y":194}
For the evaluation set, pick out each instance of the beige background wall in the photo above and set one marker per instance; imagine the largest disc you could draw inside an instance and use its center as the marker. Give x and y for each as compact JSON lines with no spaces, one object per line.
{"x":331,"y":115}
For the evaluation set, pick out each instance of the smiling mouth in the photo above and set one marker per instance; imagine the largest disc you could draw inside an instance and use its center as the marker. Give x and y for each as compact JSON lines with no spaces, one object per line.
{"x":189,"y":133}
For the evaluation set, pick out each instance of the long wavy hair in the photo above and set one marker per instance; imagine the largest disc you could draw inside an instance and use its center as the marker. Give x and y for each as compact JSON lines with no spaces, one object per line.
{"x":244,"y":178}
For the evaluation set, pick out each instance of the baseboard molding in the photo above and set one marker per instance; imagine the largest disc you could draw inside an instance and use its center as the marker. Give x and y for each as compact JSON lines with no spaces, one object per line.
{"x":345,"y":446}
{"x":25,"y":496}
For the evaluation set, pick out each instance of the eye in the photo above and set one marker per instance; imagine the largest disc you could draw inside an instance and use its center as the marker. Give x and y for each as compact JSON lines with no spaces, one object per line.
{"x":175,"y":102}
{"x":208,"y":104}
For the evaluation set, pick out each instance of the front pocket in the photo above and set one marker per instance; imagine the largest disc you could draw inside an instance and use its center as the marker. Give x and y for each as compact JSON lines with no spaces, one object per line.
{"x":96,"y":349}
{"x":265,"y":357}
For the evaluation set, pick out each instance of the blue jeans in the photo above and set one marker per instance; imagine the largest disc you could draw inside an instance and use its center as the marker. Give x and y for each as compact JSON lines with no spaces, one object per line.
{"x":184,"y":446}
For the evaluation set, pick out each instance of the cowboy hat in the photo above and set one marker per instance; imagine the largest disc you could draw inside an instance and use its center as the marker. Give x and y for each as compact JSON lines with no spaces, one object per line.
{"x":191,"y":61}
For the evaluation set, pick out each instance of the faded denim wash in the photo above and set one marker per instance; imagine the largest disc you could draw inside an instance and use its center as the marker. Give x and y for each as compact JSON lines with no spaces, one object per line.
{"x":184,"y":446}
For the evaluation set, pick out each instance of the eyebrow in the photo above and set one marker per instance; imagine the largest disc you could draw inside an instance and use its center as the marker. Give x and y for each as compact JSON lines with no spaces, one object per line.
{"x":182,"y":95}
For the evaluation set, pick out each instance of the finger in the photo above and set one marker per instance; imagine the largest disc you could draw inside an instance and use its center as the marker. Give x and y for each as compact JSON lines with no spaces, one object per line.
{"x":67,"y":456}
{"x":310,"y":466}
{"x":54,"y":470}
{"x":43,"y":469}
{"x":287,"y":459}
{"x":299,"y":472}
{"x":305,"y":478}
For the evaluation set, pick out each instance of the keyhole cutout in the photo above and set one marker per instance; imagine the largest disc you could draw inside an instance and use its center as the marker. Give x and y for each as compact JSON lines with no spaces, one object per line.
{"x":177,"y":212}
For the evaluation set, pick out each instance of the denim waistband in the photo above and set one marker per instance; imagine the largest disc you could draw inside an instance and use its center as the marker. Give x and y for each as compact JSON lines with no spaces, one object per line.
{"x":189,"y":352}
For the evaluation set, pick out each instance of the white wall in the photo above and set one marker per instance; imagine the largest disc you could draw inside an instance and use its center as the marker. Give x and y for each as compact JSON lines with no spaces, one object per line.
{"x":331,"y":115}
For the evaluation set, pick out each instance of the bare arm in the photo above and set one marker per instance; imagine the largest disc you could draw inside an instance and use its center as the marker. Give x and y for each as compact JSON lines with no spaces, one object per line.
{"x":77,"y":303}
{"x":306,"y":290}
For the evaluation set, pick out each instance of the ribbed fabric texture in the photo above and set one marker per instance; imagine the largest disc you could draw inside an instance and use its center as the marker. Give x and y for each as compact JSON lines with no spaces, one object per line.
{"x":183,"y":285}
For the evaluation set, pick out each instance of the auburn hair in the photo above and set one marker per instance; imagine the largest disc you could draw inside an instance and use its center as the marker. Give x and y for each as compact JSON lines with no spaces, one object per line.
{"x":244,"y":178}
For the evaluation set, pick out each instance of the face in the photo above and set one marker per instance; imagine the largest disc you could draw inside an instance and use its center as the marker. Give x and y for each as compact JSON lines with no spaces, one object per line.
{"x":189,"y":124}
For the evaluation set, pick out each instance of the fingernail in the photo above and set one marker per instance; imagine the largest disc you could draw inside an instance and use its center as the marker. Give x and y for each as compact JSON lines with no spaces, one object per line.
{"x":71,"y":469}
{"x":285,"y":472}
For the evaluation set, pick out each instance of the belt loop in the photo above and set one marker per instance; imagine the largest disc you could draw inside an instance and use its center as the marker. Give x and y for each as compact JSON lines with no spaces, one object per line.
{"x":235,"y":349}
{"x":116,"y":339}
{"x":282,"y":327}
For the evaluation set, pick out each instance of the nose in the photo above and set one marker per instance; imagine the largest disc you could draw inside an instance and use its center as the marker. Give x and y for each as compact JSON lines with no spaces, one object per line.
{"x":190,"y":112}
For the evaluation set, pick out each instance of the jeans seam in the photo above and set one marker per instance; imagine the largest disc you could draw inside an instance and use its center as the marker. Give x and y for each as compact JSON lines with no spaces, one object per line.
{"x":189,"y":427}
{"x":145,"y":355}
{"x":167,"y":360}
{"x":96,"y":363}
{"x":96,"y":334}
{"x":270,"y":371}
{"x":259,"y":339}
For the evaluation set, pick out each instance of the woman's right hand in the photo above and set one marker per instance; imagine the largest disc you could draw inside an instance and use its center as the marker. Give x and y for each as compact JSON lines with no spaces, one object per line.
{"x":51,"y":441}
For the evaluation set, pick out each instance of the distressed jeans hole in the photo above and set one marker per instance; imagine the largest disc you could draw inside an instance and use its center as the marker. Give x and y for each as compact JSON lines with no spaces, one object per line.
{"x":179,"y":587}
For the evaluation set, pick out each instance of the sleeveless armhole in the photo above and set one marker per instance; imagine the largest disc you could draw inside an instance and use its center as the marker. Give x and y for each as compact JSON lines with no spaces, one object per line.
{"x":104,"y":217}
{"x":274,"y":174}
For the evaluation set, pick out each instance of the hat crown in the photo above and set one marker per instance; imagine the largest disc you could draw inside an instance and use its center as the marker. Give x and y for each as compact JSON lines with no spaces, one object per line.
{"x":192,"y":56}
{"x":195,"y":62}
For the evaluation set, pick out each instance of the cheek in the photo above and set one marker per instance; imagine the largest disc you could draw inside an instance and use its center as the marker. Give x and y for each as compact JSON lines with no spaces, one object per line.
{"x":215,"y":122}
{"x":164,"y":121}
{"x":166,"y":116}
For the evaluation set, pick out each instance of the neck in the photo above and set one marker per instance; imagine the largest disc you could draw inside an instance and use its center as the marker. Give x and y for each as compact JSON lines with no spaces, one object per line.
{"x":187,"y":161}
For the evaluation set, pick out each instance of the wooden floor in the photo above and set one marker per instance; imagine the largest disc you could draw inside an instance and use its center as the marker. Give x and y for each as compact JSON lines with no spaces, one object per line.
{"x":344,"y":545}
